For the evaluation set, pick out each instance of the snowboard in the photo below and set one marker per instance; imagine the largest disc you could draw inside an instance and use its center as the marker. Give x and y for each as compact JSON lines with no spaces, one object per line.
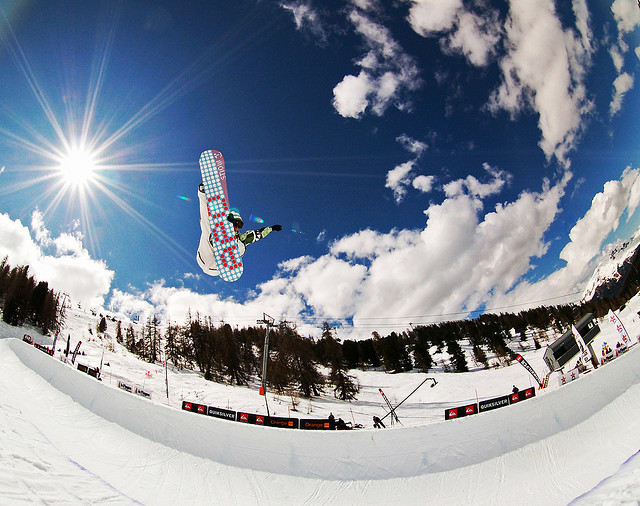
{"x":225,"y":243}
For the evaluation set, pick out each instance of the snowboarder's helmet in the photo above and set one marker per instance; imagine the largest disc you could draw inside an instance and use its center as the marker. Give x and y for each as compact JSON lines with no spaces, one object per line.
{"x":235,"y":218}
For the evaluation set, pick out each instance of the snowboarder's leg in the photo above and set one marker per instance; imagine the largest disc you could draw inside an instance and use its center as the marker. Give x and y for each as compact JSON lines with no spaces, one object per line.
{"x":205,"y":256}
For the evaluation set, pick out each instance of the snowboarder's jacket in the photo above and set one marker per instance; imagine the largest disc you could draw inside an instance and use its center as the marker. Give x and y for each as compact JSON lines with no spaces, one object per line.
{"x":205,"y":256}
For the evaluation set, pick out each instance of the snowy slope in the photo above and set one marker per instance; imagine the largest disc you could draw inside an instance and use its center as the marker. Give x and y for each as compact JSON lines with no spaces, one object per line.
{"x":612,"y":258}
{"x":65,"y":437}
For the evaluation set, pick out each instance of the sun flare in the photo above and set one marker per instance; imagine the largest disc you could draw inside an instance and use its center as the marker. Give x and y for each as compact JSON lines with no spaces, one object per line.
{"x":77,"y":167}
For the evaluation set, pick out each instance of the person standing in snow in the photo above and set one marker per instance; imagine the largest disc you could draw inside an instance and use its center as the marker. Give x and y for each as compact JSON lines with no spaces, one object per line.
{"x":205,"y":255}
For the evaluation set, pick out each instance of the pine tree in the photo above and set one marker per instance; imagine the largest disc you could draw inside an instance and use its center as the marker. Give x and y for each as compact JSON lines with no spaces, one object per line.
{"x":153,"y":339}
{"x":5,"y":269}
{"x":130,"y":339}
{"x":421,"y":354}
{"x":231,"y":354}
{"x":480,"y":356}
{"x":351,"y":353}
{"x":171,"y":337}
{"x":391,"y":349}
{"x":119,"y":338}
{"x":368,"y":353}
{"x":345,"y":386}
{"x":16,"y":308}
{"x":102,"y":325}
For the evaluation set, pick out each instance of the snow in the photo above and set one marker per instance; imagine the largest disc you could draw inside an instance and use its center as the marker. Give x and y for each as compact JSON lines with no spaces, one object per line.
{"x":611,"y":259}
{"x":65,"y":437}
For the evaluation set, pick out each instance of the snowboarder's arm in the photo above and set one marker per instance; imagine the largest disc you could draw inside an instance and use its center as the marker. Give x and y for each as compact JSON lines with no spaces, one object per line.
{"x":251,"y":236}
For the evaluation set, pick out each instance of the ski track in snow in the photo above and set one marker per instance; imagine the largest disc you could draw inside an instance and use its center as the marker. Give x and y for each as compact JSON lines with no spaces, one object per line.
{"x":67,"y":438}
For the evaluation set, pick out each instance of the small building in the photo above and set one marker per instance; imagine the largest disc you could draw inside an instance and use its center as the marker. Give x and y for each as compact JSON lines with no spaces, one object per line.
{"x":565,"y":348}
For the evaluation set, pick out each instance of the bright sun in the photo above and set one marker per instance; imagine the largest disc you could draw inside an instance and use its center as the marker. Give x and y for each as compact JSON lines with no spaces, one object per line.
{"x":77,"y":167}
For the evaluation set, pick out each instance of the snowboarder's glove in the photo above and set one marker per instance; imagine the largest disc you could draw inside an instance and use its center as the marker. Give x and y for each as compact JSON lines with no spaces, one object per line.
{"x":277,"y":228}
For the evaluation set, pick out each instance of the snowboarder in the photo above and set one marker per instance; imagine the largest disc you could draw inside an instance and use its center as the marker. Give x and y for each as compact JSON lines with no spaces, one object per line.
{"x":205,"y":256}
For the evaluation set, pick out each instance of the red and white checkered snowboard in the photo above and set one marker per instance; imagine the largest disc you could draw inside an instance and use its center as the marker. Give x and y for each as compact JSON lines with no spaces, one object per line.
{"x":225,"y":243}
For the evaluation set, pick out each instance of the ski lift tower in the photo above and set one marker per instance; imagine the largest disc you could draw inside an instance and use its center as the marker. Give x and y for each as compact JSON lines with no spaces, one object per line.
{"x":268,"y":321}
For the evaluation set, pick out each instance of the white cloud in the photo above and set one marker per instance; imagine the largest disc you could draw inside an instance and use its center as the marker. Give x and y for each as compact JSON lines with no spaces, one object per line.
{"x":369,"y":244}
{"x":387,"y":73}
{"x":412,"y":145}
{"x":475,"y":37}
{"x":626,"y":14}
{"x":603,"y":217}
{"x":399,"y":178}
{"x":462,"y":31}
{"x":586,"y":242}
{"x":622,"y":84}
{"x":581,"y":11}
{"x":366,"y":5}
{"x":330,"y":285}
{"x":306,"y":19}
{"x":42,"y":235}
{"x":69,"y":269}
{"x":132,"y":304}
{"x":475,"y":188}
{"x":322,"y":236}
{"x":423,"y":183}
{"x":617,"y":57}
{"x":544,"y":69}
{"x":404,"y":176}
{"x":432,"y":16}
{"x":460,"y":257}
{"x":16,"y":242}
{"x":350,"y":95}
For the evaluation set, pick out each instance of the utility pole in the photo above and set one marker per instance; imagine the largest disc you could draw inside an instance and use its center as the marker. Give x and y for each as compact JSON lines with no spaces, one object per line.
{"x":268,"y":321}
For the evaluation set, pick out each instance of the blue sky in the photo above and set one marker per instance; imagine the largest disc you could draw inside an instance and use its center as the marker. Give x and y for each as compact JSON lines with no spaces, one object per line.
{"x":427,"y":159}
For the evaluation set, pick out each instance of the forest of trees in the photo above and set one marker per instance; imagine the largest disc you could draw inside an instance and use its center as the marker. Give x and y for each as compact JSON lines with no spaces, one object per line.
{"x":296,"y":364}
{"x":25,"y":300}
{"x":224,"y":354}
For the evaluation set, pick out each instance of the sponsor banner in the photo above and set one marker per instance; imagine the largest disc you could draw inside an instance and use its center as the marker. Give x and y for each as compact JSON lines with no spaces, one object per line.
{"x":93,"y":371}
{"x":490,"y":404}
{"x":586,"y":356}
{"x":622,"y":331}
{"x":75,"y":352}
{"x":285,"y":423}
{"x":142,"y":393}
{"x":451,"y":413}
{"x":315,"y":424}
{"x":225,"y":414}
{"x":251,"y":418}
{"x":194,"y":407}
{"x":127,"y":388}
{"x":568,"y":377}
{"x":44,"y":349}
{"x":528,"y":367}
{"x":82,"y":367}
{"x":522,"y":395}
